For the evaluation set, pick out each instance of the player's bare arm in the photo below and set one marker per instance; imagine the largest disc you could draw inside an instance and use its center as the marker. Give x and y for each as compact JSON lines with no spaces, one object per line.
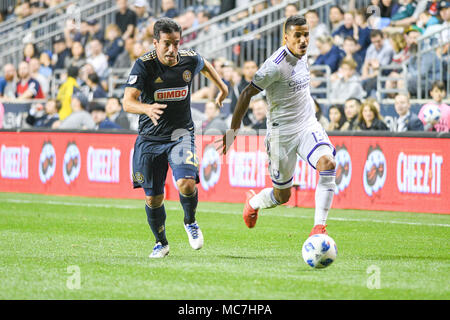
{"x":132,"y":104}
{"x":210,"y":73}
{"x":241,"y":108}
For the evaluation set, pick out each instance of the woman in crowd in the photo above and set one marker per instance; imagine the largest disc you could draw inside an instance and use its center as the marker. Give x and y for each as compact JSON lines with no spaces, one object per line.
{"x":337,"y":118}
{"x":369,"y":117}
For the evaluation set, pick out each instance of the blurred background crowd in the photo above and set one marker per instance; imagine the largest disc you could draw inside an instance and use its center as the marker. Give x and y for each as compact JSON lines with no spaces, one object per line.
{"x":74,"y":83}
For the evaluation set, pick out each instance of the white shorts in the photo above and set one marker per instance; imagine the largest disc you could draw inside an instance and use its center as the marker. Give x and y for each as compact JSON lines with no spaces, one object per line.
{"x":283,"y":150}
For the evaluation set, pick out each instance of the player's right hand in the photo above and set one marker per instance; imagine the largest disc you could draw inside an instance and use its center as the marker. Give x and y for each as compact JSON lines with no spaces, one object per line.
{"x":155,"y":111}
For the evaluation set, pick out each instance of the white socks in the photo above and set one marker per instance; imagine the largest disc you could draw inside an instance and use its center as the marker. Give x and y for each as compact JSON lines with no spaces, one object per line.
{"x":324,"y":195}
{"x":263,"y":200}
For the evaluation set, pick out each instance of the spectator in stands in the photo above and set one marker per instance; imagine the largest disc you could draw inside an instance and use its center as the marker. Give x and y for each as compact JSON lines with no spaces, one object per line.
{"x":430,"y":64}
{"x":206,"y":48}
{"x":350,"y":47}
{"x":29,"y":52}
{"x":364,"y":31}
{"x":438,"y":93}
{"x":114,"y":43}
{"x":316,"y":29}
{"x":337,"y":118}
{"x":330,"y":54}
{"x":426,"y":20}
{"x":78,"y":57}
{"x":8,"y":82}
{"x":319,"y":114}
{"x":60,"y":52}
{"x":143,"y":15}
{"x":168,"y":9}
{"x":345,"y":83}
{"x":100,"y":118}
{"x":22,"y":12}
{"x":27,"y":87}
{"x":388,"y":8}
{"x":82,"y":35}
{"x":291,"y":10}
{"x":369,"y":118}
{"x":259,"y":109}
{"x":126,"y":19}
{"x":408,"y":13}
{"x":348,"y":29}
{"x":352,"y":108}
{"x":125,"y":60}
{"x":248,"y":71}
{"x":46,"y":62}
{"x":214,"y":124}
{"x":398,"y":44}
{"x":378,"y":54}
{"x":96,"y":91}
{"x":116,"y":114}
{"x":95,"y":31}
{"x":98,"y":59}
{"x":79,"y":119}
{"x":44,"y":82}
{"x":50,"y":114}
{"x":65,"y":92}
{"x":335,"y":18}
{"x":407,"y":121}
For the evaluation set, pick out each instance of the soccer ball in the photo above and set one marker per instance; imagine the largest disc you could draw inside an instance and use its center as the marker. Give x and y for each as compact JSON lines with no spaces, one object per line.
{"x":431,"y":113}
{"x":319,"y":251}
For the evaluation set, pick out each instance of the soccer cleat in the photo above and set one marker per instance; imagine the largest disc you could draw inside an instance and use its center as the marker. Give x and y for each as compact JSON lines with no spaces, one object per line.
{"x":159,"y":251}
{"x":195,"y":235}
{"x":318,"y":229}
{"x":250,"y":215}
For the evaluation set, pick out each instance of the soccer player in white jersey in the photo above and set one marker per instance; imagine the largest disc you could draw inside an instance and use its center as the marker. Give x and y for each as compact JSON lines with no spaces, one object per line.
{"x":292,"y":128}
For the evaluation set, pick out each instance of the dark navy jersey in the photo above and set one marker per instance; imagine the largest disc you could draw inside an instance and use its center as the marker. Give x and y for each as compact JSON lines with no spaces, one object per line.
{"x":162,"y":84}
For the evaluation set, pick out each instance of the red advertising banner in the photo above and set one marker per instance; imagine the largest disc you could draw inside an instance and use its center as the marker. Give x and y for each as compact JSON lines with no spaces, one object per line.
{"x":376,"y":173}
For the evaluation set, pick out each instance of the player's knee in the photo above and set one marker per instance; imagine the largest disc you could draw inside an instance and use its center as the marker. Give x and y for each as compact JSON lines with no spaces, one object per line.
{"x":283,"y":196}
{"x":326,"y":163}
{"x":154,"y":201}
{"x":186,"y":186}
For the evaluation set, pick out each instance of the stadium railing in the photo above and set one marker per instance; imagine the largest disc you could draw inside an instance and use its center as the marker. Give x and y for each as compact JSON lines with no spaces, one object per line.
{"x":437,"y":42}
{"x":384,"y":75}
{"x":42,"y":34}
{"x":257,"y":44}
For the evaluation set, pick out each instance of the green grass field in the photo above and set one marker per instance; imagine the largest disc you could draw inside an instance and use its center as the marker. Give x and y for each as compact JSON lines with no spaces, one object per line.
{"x":108,"y":241}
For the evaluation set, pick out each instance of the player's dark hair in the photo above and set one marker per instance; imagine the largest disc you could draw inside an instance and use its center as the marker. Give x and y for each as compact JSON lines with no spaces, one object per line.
{"x":294,"y":21}
{"x":165,"y":25}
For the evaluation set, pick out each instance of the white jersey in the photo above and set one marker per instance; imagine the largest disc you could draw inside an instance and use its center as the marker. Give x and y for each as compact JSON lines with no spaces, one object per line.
{"x":286,"y":80}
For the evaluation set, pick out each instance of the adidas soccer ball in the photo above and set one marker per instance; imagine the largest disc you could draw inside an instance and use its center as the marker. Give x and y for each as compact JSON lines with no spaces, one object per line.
{"x":319,"y":251}
{"x":431,"y":113}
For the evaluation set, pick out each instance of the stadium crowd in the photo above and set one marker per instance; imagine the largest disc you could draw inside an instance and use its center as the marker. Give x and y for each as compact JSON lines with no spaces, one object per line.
{"x":353,"y":43}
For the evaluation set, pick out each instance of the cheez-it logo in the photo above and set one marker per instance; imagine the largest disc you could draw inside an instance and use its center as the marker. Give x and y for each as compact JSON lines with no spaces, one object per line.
{"x":171,"y":94}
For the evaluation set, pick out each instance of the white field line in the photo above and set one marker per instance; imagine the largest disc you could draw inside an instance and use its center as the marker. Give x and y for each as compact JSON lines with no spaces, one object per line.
{"x":133,"y":207}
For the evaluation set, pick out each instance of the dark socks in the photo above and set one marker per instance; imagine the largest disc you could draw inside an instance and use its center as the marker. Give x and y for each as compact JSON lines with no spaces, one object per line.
{"x":189,"y":204}
{"x":156,"y":218}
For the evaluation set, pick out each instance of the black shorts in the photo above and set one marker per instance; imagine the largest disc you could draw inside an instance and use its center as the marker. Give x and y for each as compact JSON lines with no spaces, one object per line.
{"x":151,"y":160}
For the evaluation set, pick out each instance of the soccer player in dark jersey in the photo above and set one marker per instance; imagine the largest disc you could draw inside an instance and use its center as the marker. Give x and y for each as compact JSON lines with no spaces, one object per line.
{"x":158,"y":89}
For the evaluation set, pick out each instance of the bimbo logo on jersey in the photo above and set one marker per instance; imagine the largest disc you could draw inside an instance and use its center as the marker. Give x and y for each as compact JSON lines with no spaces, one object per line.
{"x":103,"y":165}
{"x":71,"y":163}
{"x":419,"y":173}
{"x":374,"y":174}
{"x":172,"y":94}
{"x":14,"y":162}
{"x":210,"y":167}
{"x":343,"y":168}
{"x":47,"y":162}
